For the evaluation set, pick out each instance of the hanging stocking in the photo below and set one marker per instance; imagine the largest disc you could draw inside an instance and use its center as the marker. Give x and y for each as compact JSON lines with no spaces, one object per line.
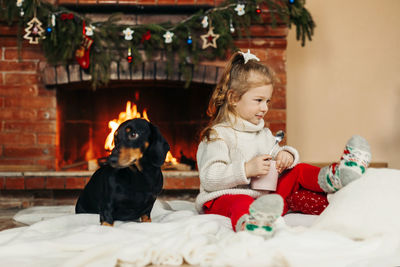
{"x":83,"y":52}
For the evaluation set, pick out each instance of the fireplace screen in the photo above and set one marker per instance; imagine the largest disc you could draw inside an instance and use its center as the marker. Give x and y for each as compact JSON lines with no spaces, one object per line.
{"x":84,"y":117}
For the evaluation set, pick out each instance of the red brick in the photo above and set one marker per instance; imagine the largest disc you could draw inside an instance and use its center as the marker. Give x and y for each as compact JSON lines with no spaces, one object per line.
{"x":50,"y":164}
{"x":35,"y":102}
{"x":8,"y":30}
{"x":191,"y":183}
{"x":276,"y":60}
{"x":266,"y":31}
{"x":75,"y":183}
{"x":151,"y":2}
{"x":261,"y":53}
{"x":26,"y":54}
{"x":15,"y":183}
{"x":178,"y":2}
{"x":61,"y":2}
{"x":46,"y":139}
{"x":276,"y":54}
{"x":36,"y":127}
{"x":2,"y":183}
{"x":34,"y":183}
{"x":276,"y":65}
{"x":85,"y":1}
{"x":107,"y":2}
{"x":281,"y":78}
{"x":279,"y":91}
{"x":20,"y":78}
{"x":18,"y":66}
{"x":17,"y":114}
{"x":2,"y":102}
{"x":266,"y":17}
{"x":127,"y":2}
{"x":48,"y":114}
{"x":8,"y":42}
{"x":55,"y":183}
{"x":27,"y":152}
{"x":261,"y":43}
{"x":278,"y":103}
{"x":11,"y":42}
{"x":47,"y":92}
{"x":173,"y":183}
{"x":52,"y":2}
{"x":17,"y":139}
{"x":1,"y":78}
{"x":18,"y":161}
{"x":275,"y":115}
{"x":277,"y":126}
{"x":19,"y":90}
{"x":205,"y":2}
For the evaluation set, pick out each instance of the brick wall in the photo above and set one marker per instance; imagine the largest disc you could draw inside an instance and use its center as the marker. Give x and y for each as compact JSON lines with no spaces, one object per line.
{"x":28,"y":111}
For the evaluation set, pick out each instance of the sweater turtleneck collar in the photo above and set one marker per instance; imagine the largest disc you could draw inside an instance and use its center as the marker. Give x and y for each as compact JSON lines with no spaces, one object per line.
{"x":242,"y":125}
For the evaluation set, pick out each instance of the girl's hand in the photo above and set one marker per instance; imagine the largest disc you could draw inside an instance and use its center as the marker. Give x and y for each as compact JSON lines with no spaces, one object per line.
{"x":284,"y":159}
{"x":258,"y":165}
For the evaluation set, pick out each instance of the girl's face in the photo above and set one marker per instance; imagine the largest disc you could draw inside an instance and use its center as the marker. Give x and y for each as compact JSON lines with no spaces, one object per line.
{"x":253,"y":105}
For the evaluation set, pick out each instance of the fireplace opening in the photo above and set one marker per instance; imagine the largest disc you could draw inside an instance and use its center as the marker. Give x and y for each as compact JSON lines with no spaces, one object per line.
{"x":84,"y":115}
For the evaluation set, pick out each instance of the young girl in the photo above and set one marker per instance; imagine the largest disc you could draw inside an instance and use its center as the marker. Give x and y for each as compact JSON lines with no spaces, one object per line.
{"x":234,"y":150}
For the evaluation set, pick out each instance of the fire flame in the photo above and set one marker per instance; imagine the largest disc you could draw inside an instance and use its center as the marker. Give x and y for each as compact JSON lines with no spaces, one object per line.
{"x":170,"y":158}
{"x":130,"y":113}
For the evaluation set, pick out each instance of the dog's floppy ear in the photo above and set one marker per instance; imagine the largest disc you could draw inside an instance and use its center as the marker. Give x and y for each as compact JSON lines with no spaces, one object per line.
{"x":158,"y":148}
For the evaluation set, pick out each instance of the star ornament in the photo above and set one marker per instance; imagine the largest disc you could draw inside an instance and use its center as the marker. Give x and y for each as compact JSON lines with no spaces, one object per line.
{"x":128,"y":34}
{"x":168,"y":37}
{"x":209,"y":39}
{"x":240,"y":9}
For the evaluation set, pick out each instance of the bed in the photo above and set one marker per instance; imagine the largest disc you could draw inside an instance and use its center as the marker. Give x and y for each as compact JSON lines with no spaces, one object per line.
{"x":360,"y":227}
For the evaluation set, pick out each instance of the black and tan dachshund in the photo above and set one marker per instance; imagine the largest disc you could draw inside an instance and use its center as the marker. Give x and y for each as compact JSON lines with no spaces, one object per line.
{"x":126,"y":187}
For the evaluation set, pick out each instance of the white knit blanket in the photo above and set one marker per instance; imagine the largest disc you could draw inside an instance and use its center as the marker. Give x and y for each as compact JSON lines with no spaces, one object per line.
{"x":360,"y":227}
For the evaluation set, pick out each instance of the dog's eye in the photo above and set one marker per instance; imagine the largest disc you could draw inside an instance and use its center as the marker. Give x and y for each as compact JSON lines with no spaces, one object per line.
{"x":133,"y":135}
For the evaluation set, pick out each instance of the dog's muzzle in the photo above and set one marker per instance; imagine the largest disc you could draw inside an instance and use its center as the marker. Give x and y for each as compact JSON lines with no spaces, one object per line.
{"x":125,"y":157}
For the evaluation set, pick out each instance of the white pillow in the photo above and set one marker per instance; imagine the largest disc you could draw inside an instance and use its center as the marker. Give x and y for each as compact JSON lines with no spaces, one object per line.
{"x":366,"y":207}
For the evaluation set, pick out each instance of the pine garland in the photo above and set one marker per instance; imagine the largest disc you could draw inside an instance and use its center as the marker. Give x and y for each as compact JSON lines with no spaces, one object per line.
{"x":64,"y":38}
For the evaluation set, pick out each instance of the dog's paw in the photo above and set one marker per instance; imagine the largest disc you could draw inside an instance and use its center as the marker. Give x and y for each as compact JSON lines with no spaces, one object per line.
{"x":107,"y":224}
{"x":145,"y":218}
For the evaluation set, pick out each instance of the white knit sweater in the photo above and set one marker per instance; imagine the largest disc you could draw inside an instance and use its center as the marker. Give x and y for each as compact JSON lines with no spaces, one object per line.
{"x":221,"y":162}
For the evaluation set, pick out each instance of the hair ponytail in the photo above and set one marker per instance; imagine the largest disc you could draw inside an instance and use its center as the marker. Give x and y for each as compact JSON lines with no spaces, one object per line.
{"x":220,"y":94}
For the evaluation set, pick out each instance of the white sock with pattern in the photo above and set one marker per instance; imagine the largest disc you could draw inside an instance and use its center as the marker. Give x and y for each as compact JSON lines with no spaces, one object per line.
{"x":263,"y":213}
{"x":353,"y":163}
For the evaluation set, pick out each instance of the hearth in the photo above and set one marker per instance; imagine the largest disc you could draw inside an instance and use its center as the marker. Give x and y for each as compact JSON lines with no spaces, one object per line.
{"x":84,"y":115}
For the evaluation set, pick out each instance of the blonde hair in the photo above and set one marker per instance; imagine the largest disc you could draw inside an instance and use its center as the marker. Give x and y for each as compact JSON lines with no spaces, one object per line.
{"x":237,"y":79}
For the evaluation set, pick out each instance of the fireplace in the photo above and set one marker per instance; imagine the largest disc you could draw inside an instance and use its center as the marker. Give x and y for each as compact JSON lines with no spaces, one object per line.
{"x":84,"y":115}
{"x":53,"y":122}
